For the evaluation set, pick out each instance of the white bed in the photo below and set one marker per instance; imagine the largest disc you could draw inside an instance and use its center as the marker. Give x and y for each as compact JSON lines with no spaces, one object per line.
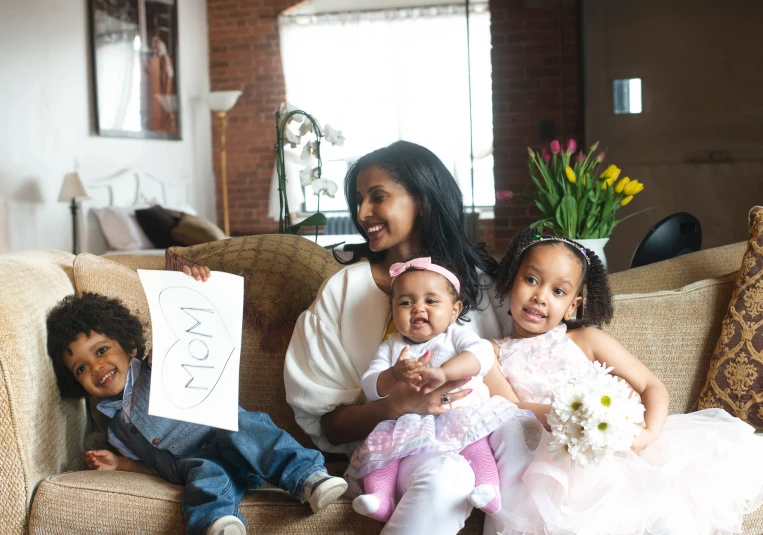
{"x":111,"y":210}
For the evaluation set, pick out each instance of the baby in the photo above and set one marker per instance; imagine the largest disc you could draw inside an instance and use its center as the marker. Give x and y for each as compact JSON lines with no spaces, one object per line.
{"x":429,"y":350}
{"x":96,"y":346}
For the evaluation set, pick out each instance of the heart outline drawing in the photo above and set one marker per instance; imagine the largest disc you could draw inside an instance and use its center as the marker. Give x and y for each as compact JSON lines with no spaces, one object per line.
{"x":191,"y":370}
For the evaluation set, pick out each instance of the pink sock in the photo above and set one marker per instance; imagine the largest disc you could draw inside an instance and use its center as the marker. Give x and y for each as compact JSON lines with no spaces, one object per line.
{"x":486,"y":494}
{"x":379,"y":500}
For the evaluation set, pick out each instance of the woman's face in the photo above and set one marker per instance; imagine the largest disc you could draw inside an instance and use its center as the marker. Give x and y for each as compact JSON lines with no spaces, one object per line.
{"x":388,"y":214}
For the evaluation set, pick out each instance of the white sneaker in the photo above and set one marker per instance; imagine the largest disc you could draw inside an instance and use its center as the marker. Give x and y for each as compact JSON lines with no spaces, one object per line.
{"x":227,"y":525}
{"x":322,"y":489}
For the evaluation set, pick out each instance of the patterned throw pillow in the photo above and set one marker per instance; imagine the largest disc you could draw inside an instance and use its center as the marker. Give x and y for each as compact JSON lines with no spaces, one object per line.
{"x":282,"y":274}
{"x":735,"y":377}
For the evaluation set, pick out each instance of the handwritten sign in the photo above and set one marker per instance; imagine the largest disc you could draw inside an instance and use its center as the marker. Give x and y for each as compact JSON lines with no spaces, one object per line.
{"x":196,"y":346}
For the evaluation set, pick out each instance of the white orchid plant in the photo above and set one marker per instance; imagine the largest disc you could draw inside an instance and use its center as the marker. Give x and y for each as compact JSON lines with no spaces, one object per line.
{"x":594,"y":415}
{"x":287,"y":134}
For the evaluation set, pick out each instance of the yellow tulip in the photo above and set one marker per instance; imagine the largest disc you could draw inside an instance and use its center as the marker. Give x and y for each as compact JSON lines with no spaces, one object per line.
{"x":625,"y":201}
{"x":610,"y":181}
{"x":633,"y":187}
{"x":611,"y":172}
{"x":621,"y":185}
{"x":570,"y":174}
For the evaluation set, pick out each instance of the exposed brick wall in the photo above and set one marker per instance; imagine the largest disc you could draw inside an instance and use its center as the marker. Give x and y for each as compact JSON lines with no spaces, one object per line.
{"x":536,"y":76}
{"x":244,"y":54}
{"x":532,"y":81}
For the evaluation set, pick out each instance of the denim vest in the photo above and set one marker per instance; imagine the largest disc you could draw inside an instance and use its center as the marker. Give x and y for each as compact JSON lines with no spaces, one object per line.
{"x":155,"y":440}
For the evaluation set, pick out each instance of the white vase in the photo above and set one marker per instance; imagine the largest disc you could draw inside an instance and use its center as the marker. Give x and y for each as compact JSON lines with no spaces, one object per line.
{"x":597,"y":246}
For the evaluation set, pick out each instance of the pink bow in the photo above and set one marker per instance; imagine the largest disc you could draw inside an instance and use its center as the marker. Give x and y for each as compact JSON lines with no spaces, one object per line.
{"x":423,"y":263}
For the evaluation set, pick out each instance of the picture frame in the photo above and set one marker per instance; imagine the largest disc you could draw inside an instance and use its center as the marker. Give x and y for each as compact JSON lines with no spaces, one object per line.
{"x":134,"y":66}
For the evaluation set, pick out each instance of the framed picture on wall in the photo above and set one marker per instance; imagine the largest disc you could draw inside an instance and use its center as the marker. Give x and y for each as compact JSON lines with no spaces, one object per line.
{"x":134,"y":48}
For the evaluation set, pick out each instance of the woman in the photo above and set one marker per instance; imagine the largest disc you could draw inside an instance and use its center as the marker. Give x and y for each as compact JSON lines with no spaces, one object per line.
{"x":405,"y":202}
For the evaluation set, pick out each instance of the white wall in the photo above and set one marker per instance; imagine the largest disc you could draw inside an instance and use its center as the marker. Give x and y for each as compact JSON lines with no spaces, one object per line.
{"x":46,"y":118}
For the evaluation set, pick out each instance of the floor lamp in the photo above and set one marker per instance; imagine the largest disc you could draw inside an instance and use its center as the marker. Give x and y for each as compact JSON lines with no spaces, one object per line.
{"x":220,"y":102}
{"x":72,"y":190}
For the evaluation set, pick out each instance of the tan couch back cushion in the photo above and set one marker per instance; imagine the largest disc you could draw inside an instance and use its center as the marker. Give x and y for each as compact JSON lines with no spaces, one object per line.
{"x":680,"y":271}
{"x":735,"y":375}
{"x":673,"y":333}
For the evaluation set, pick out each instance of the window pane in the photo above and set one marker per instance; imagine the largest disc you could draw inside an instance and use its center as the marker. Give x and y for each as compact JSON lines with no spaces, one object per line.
{"x":627,"y":94}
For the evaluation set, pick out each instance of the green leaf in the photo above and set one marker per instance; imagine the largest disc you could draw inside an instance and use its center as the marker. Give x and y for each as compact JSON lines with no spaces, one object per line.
{"x":315,"y":220}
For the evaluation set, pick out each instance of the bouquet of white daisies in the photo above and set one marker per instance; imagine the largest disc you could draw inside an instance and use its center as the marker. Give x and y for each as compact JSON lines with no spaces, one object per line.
{"x":594,"y":415}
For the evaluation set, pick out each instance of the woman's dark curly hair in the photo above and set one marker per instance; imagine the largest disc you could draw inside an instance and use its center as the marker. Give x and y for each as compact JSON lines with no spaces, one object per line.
{"x":596,"y":309}
{"x":89,"y":313}
{"x":441,"y":224}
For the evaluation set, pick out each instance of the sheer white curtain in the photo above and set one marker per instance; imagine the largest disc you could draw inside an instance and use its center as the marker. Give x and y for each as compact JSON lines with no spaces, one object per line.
{"x":392,"y":75}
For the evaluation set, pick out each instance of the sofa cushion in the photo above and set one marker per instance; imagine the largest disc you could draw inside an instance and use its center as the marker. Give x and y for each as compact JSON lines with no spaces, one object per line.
{"x":282,"y":274}
{"x":735,"y":375}
{"x":193,"y":230}
{"x":98,"y":275}
{"x":678,"y":272}
{"x":673,"y":333}
{"x":135,"y":503}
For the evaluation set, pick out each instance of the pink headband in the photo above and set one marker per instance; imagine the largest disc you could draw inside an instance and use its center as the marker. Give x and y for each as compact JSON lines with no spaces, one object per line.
{"x":425,"y":264}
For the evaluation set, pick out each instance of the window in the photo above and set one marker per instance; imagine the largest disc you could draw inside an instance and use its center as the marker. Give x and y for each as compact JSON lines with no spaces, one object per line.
{"x":627,"y":94}
{"x":388,"y":75}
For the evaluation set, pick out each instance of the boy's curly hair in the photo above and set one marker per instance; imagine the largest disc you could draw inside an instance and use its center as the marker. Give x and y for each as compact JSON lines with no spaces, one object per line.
{"x":596,"y":309}
{"x":89,"y":313}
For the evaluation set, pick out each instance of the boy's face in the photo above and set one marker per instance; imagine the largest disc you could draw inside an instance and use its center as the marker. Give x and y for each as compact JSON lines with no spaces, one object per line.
{"x":422,"y":305}
{"x":99,"y":364}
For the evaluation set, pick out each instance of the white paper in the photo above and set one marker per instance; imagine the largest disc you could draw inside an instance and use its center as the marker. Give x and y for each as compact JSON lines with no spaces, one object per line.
{"x":196,"y":346}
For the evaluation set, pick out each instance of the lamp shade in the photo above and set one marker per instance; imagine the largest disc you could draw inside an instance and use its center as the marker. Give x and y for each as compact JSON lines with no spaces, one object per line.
{"x":72,"y":188}
{"x":222,"y":100}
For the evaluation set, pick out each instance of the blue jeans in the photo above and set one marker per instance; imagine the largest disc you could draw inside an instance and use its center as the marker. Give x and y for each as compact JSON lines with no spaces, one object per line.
{"x":217,"y":477}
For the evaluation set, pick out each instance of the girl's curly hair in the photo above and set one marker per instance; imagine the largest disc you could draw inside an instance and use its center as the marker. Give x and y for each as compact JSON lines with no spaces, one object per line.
{"x":89,"y":313}
{"x":596,"y":309}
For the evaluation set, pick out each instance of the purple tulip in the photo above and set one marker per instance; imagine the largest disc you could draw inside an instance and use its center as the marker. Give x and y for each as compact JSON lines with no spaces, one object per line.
{"x":581,"y":157}
{"x":600,"y":157}
{"x":555,"y":146}
{"x":503,"y":194}
{"x":545,"y":155}
{"x":572,"y":146}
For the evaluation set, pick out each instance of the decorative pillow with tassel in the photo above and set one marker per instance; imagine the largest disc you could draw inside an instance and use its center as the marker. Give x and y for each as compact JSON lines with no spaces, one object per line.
{"x":282,"y":274}
{"x":735,"y":377}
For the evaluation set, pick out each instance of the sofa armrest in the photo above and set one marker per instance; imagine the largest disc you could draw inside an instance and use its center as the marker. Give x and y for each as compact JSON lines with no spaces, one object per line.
{"x":40,"y":434}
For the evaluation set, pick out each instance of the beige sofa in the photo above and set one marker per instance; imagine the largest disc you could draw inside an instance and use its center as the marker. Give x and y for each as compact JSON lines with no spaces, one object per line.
{"x":45,"y":491}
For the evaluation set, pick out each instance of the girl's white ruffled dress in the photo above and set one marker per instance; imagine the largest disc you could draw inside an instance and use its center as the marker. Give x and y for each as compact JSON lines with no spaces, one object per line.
{"x":701,"y":475}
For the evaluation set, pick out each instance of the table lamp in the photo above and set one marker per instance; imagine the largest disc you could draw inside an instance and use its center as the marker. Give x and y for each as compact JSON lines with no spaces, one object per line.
{"x":72,"y":190}
{"x":220,"y":102}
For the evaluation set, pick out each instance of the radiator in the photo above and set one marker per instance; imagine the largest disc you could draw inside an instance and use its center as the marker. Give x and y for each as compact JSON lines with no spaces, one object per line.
{"x":338,"y":225}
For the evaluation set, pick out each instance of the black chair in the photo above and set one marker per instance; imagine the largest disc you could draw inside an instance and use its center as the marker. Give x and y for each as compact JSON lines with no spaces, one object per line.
{"x":676,"y":235}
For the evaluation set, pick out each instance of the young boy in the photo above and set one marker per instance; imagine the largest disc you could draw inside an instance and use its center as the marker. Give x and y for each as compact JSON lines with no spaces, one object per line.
{"x":96,"y":346}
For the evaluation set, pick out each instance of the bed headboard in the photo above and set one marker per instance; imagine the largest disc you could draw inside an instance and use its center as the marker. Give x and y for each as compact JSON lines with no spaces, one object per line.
{"x":128,"y":188}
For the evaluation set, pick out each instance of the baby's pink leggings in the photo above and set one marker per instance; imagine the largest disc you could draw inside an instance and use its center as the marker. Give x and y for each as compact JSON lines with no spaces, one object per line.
{"x":486,"y":496}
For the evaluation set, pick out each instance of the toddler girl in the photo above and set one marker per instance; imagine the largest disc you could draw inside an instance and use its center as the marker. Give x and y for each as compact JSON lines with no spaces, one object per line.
{"x":692,"y":473}
{"x":428,"y":350}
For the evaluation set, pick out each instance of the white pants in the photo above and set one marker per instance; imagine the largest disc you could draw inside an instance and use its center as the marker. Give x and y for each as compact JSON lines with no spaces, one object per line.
{"x":514,"y":446}
{"x":433,"y":488}
{"x":432,"y":492}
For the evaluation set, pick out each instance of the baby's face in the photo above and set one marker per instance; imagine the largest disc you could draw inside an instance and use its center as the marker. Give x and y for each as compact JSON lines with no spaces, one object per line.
{"x":423,"y":305}
{"x":99,"y":364}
